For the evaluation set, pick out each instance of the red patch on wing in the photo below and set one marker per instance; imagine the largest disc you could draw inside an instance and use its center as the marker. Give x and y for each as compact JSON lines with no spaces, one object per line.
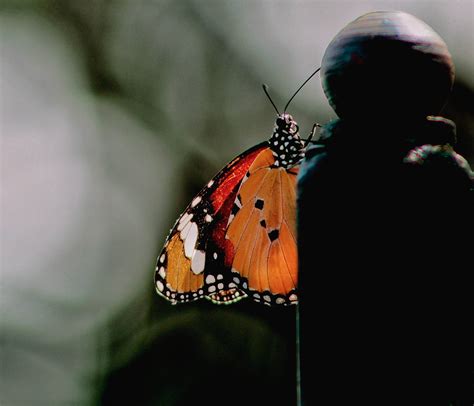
{"x":232,"y":175}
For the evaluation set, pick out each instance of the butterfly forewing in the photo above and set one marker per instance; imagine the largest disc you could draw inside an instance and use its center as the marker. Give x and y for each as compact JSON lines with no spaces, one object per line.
{"x":193,"y":261}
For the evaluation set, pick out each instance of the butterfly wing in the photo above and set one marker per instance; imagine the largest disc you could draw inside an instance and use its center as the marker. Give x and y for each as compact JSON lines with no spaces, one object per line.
{"x":196,"y":253}
{"x":263,"y":233}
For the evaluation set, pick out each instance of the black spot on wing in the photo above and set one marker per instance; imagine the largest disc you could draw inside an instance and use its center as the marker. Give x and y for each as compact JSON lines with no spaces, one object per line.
{"x":235,"y":209}
{"x":273,"y":235}
{"x":259,"y":204}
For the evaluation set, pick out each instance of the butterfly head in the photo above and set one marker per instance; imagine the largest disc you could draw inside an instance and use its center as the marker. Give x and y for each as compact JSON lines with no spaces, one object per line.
{"x":285,"y":121}
{"x":286,"y":144}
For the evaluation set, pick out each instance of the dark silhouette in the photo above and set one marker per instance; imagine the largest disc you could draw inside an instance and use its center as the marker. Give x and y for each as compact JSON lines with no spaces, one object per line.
{"x":385,"y":211}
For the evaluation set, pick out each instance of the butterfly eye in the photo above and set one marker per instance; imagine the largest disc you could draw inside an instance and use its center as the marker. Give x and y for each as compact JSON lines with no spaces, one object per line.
{"x":280,"y":122}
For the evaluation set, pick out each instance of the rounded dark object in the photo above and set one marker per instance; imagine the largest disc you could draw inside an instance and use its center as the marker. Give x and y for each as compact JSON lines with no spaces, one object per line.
{"x":387,"y":63}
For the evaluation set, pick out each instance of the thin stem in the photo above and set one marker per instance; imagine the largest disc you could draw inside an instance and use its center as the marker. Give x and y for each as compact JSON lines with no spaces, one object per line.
{"x":298,"y":358}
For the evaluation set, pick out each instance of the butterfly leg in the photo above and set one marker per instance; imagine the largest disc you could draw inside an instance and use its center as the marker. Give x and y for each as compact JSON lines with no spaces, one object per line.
{"x":311,"y":134}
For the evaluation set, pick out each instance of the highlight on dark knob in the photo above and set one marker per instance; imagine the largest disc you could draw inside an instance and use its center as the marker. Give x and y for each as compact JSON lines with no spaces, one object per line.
{"x":387,"y":63}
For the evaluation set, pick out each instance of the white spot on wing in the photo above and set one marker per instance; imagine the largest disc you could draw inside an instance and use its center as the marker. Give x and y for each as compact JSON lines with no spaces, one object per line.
{"x":208,"y":218}
{"x":190,"y":240}
{"x":231,"y":217}
{"x":293,"y":298}
{"x":184,"y":220}
{"x":198,"y":261}
{"x":279,"y":300}
{"x":214,"y":255}
{"x":162,"y":272}
{"x":220,"y":277}
{"x":184,"y":232}
{"x":211,"y":182}
{"x":162,"y":258}
{"x":220,"y":286}
{"x":212,"y":288}
{"x":210,"y":279}
{"x":160,"y":286}
{"x":195,"y":201}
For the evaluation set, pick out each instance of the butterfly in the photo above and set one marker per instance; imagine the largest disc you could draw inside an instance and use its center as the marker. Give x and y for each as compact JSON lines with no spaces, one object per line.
{"x":237,"y":237}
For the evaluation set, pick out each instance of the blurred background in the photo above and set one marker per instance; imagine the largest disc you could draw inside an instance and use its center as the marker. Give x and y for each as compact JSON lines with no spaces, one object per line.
{"x":113,"y":115}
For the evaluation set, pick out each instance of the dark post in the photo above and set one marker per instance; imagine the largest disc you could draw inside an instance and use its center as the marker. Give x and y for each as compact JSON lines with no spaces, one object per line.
{"x":385,"y":226}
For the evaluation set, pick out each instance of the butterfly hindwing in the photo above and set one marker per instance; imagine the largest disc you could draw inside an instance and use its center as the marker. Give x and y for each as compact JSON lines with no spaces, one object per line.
{"x":263,"y":233}
{"x":196,"y":254}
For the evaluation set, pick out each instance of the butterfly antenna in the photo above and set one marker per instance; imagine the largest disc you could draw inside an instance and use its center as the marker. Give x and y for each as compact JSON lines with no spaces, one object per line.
{"x":265,"y":89}
{"x":306,"y":81}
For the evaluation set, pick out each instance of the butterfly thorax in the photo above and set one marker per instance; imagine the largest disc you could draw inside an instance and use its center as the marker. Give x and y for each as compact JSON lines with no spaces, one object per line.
{"x":286,"y":144}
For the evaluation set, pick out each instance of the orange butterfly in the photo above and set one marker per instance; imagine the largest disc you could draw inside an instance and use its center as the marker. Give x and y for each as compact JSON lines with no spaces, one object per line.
{"x":237,"y":237}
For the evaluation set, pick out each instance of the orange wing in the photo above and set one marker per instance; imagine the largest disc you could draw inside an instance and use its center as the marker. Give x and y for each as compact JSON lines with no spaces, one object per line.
{"x":263,"y":233}
{"x":196,"y":259}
